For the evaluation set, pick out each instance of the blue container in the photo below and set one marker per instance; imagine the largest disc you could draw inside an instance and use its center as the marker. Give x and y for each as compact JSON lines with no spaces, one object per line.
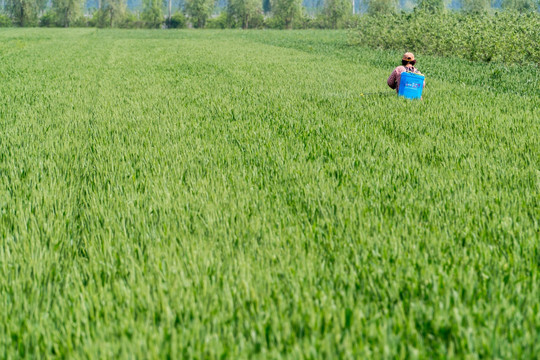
{"x":411,"y":85}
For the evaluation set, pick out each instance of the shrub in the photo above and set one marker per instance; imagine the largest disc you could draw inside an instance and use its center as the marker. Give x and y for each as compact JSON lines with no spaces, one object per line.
{"x":310,"y":22}
{"x":48,"y":19}
{"x":177,"y":21}
{"x":81,"y":21}
{"x":257,"y":21}
{"x":98,"y":19}
{"x":219,"y":22}
{"x":130,"y":21}
{"x":272,"y":22}
{"x":5,"y":21}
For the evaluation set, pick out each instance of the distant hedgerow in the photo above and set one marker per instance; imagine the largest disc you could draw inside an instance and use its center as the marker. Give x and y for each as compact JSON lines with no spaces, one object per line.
{"x":507,"y":37}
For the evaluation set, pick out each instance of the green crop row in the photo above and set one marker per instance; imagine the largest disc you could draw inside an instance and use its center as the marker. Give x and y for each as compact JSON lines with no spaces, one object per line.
{"x":261,"y":195}
{"x":505,"y":37}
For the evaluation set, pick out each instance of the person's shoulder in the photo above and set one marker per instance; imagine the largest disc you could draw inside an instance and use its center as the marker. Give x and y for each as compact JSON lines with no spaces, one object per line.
{"x":400,"y":69}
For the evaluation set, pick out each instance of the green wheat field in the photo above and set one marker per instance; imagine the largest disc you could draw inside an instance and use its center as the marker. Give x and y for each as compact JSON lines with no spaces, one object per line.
{"x":234,"y":194}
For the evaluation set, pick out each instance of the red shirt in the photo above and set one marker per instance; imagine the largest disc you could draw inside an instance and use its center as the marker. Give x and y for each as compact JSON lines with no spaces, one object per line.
{"x":395,"y":77}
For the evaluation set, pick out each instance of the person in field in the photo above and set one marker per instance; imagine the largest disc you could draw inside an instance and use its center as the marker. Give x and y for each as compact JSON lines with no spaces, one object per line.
{"x":407,"y":64}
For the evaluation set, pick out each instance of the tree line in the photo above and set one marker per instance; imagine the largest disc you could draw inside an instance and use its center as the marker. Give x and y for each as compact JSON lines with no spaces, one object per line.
{"x":282,"y":14}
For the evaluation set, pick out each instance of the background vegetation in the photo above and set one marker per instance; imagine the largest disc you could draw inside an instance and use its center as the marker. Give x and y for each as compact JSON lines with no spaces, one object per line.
{"x":278,"y":14}
{"x":233,"y":194}
{"x":507,"y":37}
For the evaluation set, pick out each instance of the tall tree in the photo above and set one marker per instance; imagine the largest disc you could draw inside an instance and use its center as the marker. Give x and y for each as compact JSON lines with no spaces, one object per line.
{"x":199,"y":11}
{"x":41,"y":6}
{"x":23,"y":12}
{"x":336,"y":10}
{"x":113,"y":11}
{"x":67,"y":11}
{"x":244,"y":10}
{"x":152,"y":14}
{"x":287,"y":11}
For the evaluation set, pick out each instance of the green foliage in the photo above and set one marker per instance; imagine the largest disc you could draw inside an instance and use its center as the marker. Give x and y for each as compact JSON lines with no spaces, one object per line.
{"x":5,"y":21}
{"x":177,"y":21}
{"x":81,"y":21}
{"x":222,"y":21}
{"x":286,"y":13}
{"x":48,"y":19}
{"x":246,"y":195}
{"x":315,"y":22}
{"x":257,"y":21}
{"x":431,"y":6}
{"x":112,"y":13}
{"x":23,"y":12}
{"x":243,"y":11}
{"x":272,"y":22}
{"x":521,"y":6}
{"x":381,"y":7}
{"x":98,"y":19}
{"x":130,"y":21}
{"x":199,"y":11}
{"x":152,"y":14}
{"x":475,"y":6}
{"x":472,"y":37}
{"x":42,"y":5}
{"x":336,"y":11}
{"x":67,"y":11}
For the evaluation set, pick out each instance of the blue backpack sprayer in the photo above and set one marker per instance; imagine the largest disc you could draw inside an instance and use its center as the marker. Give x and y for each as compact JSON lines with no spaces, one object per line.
{"x":411,"y":85}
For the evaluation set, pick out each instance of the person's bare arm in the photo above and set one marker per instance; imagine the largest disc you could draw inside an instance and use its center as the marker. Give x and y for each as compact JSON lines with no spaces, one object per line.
{"x":392,"y":80}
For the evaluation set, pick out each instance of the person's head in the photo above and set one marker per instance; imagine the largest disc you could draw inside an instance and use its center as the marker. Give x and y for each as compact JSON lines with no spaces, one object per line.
{"x":408,"y":58}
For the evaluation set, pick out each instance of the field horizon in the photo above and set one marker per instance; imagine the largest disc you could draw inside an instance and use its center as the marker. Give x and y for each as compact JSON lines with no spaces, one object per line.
{"x":263,"y":194}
